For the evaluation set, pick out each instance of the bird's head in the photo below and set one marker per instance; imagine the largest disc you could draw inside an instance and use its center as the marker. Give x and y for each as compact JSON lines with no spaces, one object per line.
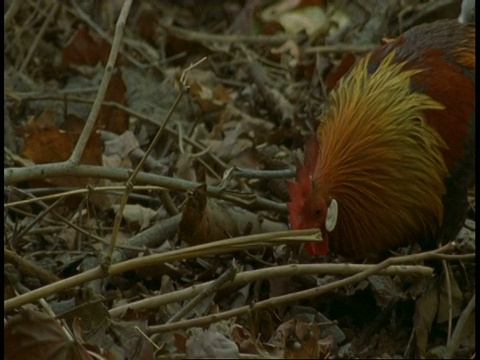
{"x":309,"y":207}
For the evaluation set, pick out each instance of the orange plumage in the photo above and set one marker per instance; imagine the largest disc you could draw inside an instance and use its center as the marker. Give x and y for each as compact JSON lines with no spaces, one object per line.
{"x":394,"y":152}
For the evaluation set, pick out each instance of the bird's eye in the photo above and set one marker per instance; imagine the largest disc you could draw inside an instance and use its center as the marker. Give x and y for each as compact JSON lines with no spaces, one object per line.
{"x":318,"y":212}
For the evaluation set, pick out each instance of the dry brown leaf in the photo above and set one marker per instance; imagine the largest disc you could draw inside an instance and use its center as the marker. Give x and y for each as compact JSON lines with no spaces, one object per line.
{"x":110,"y":338}
{"x":45,"y":121}
{"x":54,"y":145}
{"x":205,"y":220}
{"x":110,"y":118}
{"x":279,"y":339}
{"x":426,"y":308}
{"x":50,"y":146}
{"x":73,"y":123}
{"x":457,"y":299}
{"x":246,"y":342}
{"x":34,"y":335}
{"x":306,"y":336}
{"x":468,"y":334}
{"x":207,"y":93}
{"x":146,"y":23}
{"x":45,"y":143}
{"x":85,"y":48}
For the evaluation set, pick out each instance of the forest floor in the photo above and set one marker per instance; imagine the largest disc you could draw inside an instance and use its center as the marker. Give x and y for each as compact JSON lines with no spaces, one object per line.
{"x":147,"y":152}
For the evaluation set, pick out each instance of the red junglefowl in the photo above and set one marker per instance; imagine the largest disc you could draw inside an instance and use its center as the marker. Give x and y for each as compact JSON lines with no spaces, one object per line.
{"x":394,"y":152}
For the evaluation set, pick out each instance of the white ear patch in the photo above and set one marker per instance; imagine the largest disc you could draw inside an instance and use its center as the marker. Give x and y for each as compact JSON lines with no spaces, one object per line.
{"x":332,"y":215}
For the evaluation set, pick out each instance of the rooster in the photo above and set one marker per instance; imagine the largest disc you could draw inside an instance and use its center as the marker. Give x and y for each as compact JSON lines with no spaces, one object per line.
{"x":394,"y":152}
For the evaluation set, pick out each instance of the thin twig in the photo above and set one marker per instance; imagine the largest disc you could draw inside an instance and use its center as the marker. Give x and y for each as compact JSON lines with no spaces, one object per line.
{"x":29,"y":268}
{"x":286,"y":271}
{"x":263,"y":174}
{"x":12,"y":10}
{"x":230,"y":39}
{"x":341,"y":48}
{"x":133,"y":113}
{"x":459,"y":257}
{"x":150,"y":238}
{"x":168,"y":203}
{"x":33,"y":222}
{"x":107,"y":75}
{"x":33,"y":47}
{"x":214,"y":248}
{"x":208,"y":291}
{"x":458,"y":332}
{"x":104,"y":35}
{"x":132,"y":178}
{"x":448,"y":286}
{"x":93,"y":189}
{"x":301,"y":295}
{"x":249,"y":201}
{"x":49,"y":209}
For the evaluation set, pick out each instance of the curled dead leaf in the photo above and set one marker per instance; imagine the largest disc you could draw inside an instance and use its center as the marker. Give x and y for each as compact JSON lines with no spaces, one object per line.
{"x":205,"y":220}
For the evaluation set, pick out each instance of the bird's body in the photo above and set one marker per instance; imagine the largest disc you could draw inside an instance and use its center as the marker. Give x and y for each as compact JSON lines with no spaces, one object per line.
{"x":395,"y":147}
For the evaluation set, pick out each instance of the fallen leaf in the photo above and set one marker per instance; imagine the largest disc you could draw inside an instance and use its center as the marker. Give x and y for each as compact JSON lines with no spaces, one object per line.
{"x":85,"y":48}
{"x":35,"y":335}
{"x":205,"y":220}
{"x":444,"y":306}
{"x":426,"y":308}
{"x":210,"y":344}
{"x":136,"y":215}
{"x":111,"y":118}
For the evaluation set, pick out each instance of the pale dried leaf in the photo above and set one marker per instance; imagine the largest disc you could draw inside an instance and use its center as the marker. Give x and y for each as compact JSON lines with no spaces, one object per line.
{"x":137,"y":214}
{"x":210,"y":344}
{"x":122,"y":145}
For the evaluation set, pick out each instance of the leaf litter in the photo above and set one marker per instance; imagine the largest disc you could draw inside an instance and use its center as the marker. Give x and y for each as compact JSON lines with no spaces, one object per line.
{"x":246,"y":109}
